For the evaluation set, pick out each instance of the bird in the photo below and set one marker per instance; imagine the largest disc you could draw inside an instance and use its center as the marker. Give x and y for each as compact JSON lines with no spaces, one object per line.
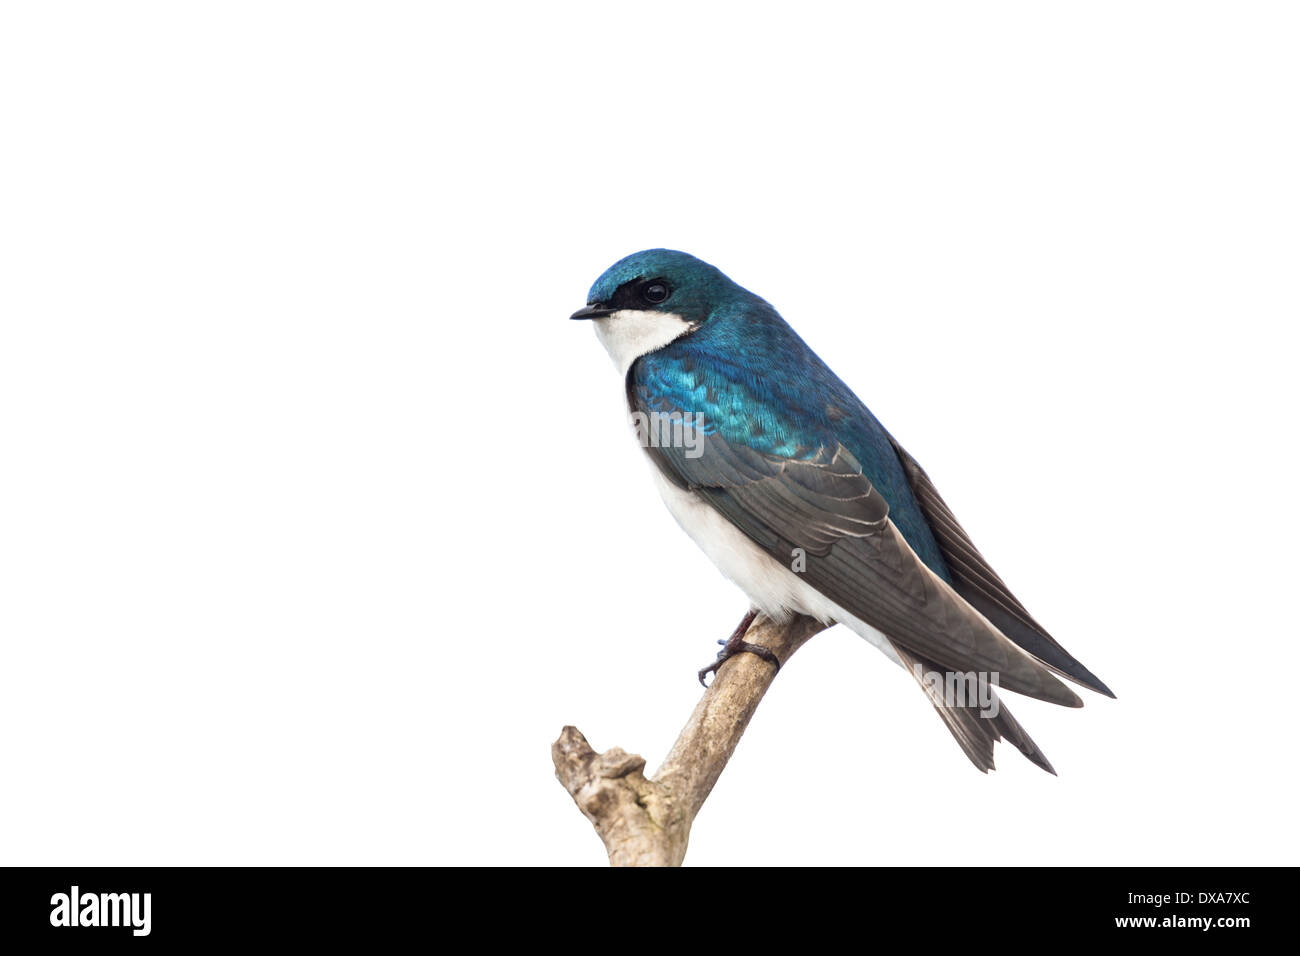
{"x":794,"y":489}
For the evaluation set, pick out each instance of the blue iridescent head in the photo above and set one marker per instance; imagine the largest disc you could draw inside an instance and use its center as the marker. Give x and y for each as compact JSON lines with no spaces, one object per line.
{"x":661,"y":280}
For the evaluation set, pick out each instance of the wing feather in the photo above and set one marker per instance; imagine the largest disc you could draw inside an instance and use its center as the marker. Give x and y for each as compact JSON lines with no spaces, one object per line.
{"x":981,"y":586}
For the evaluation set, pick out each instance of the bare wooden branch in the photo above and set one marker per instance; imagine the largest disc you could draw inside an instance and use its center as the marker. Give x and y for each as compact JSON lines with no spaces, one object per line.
{"x":647,"y":821}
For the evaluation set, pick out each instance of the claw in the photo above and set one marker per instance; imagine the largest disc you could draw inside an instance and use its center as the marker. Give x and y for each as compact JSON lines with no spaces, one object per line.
{"x":738,"y":645}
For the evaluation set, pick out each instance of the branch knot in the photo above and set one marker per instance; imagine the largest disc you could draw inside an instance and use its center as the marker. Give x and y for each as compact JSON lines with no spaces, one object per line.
{"x":647,"y":821}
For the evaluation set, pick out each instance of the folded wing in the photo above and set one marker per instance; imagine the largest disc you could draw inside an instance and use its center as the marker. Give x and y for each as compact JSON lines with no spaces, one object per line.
{"x":823,"y":503}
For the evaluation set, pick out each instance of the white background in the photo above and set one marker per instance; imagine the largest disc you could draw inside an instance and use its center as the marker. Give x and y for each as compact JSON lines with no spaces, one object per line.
{"x":318,"y":519}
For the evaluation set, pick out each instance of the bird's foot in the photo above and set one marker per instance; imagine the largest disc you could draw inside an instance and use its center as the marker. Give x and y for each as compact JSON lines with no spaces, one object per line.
{"x":737,"y":644}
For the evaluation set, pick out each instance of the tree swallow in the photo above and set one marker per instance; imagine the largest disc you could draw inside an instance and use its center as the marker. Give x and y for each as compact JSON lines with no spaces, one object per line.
{"x":801,"y":497}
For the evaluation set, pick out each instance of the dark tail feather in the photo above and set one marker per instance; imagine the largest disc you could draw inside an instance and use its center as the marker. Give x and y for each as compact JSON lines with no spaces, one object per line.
{"x":975,"y":734}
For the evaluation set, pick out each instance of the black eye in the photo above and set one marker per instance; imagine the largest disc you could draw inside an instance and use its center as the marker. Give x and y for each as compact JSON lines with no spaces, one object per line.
{"x":654,"y":292}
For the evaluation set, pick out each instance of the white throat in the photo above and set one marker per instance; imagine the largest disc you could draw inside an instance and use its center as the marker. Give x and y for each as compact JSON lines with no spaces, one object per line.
{"x":630,"y":333}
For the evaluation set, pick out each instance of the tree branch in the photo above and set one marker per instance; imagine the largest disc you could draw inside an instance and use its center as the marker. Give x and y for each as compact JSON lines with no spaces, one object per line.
{"x":647,"y":821}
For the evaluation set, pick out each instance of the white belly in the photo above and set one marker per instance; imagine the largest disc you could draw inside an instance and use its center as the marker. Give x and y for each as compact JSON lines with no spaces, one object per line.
{"x":772,"y":587}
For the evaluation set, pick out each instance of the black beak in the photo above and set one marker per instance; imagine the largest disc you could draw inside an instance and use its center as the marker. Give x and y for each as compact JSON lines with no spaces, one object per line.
{"x":593,"y":310}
